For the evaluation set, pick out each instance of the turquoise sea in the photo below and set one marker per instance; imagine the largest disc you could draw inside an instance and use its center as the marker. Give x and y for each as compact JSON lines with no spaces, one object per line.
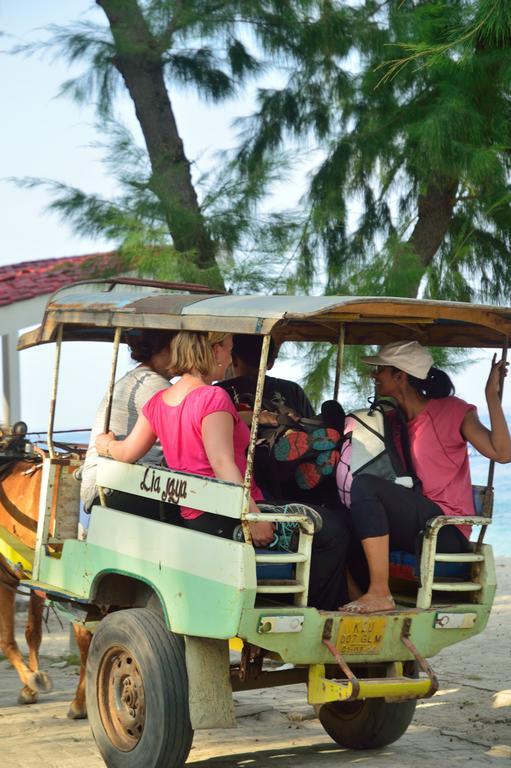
{"x":498,"y":534}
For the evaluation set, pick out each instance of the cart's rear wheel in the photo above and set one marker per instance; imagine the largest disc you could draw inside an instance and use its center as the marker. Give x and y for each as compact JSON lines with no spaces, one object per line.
{"x":367,"y":724}
{"x":137,"y":692}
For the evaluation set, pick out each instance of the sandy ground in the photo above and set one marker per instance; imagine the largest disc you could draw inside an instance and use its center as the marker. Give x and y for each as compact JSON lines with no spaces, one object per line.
{"x":467,"y":721}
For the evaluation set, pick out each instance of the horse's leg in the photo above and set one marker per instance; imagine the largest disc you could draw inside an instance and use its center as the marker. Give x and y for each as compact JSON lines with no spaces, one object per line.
{"x":10,"y":648}
{"x":78,"y":707}
{"x":33,"y":636}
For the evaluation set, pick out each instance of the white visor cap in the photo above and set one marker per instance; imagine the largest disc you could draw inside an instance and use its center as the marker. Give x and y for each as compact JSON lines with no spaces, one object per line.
{"x":409,"y":356}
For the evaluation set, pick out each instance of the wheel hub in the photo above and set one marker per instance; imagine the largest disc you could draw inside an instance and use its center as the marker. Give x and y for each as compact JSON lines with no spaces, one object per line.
{"x":121,"y":698}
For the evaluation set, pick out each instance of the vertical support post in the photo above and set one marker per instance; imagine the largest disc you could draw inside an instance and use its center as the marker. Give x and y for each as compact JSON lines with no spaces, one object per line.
{"x":427,"y":569}
{"x":303,"y":569}
{"x":109,"y":398}
{"x":11,"y":410}
{"x":111,"y":381}
{"x":253,"y":437}
{"x":488,"y":494}
{"x":339,"y":360}
{"x":53,"y":401}
{"x":43,"y":521}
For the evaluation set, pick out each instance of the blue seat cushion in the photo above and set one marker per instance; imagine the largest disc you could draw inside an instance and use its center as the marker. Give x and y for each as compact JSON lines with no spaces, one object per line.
{"x":279,"y":571}
{"x":403,"y":565}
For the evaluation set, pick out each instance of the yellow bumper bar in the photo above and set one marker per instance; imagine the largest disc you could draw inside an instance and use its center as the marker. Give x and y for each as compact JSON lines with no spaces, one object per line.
{"x":322,"y":690}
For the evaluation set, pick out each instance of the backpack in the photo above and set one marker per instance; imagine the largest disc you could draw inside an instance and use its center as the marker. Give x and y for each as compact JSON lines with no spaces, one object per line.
{"x":369,"y":447}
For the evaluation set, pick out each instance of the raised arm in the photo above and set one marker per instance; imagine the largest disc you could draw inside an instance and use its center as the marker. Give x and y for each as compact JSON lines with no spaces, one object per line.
{"x":133,"y":447}
{"x":494,"y":443}
{"x":217,"y":436}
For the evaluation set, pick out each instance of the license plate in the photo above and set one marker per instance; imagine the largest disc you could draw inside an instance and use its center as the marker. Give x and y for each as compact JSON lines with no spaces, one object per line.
{"x":360,"y":634}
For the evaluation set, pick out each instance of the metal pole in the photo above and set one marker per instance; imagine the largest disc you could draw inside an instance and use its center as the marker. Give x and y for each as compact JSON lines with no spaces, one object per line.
{"x":53,"y":401}
{"x":110,"y":394}
{"x":340,"y":360}
{"x":488,"y":494}
{"x":109,"y":398}
{"x":253,"y":437}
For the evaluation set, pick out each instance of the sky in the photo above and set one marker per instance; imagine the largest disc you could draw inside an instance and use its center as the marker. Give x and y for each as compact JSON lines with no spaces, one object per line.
{"x":48,"y":137}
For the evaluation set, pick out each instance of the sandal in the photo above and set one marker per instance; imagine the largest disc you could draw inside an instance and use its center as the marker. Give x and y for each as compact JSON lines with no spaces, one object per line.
{"x":310,"y":473}
{"x":296,"y":444}
{"x":307,"y":476}
{"x":327,"y":461}
{"x":370,"y":606}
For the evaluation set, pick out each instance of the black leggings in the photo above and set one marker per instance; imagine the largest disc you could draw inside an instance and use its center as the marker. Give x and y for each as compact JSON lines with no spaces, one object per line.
{"x":327,"y":582}
{"x":380,"y":507}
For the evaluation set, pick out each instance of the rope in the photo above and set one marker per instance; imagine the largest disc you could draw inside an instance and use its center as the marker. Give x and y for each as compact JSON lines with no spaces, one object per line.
{"x":46,"y":617}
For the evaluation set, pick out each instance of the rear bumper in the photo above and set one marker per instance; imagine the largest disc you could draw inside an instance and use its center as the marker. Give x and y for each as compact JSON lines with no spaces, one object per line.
{"x":322,"y":690}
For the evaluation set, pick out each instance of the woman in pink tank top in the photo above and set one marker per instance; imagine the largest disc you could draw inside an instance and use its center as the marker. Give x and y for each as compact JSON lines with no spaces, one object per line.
{"x":387,"y":515}
{"x":198,"y":427}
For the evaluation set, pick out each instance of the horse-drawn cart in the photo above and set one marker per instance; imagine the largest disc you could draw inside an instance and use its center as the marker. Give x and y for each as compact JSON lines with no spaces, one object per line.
{"x":163,"y":601}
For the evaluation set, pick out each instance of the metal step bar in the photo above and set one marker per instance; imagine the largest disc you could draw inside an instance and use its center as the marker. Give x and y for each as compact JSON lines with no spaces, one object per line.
{"x":430,"y":557}
{"x":308,"y":521}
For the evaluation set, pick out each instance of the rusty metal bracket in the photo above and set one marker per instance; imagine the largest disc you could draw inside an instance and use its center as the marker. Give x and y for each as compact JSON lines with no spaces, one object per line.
{"x":327,"y":629}
{"x":423,"y":664}
{"x":351,"y":677}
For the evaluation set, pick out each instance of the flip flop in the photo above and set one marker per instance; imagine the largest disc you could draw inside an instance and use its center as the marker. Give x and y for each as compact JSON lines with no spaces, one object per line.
{"x":307,"y":475}
{"x":297,"y":444}
{"x":310,"y":473}
{"x":363,"y":608}
{"x":327,"y":461}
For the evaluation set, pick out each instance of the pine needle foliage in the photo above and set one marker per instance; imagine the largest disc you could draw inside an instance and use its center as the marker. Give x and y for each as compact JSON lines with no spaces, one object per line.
{"x":412,"y":192}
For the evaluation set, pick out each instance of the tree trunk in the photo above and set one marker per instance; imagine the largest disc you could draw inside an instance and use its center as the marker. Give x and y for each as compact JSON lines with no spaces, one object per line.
{"x":435,"y":209}
{"x":139,"y":60}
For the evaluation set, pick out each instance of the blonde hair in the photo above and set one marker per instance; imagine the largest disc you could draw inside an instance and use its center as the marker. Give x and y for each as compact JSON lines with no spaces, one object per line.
{"x":193,"y":350}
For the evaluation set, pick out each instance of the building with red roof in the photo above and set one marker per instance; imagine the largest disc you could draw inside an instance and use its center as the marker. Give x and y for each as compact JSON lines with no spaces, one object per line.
{"x":24,"y":291}
{"x":30,"y":279}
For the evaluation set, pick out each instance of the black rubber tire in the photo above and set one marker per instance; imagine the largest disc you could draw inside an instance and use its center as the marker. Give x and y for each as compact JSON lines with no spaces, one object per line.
{"x":367,"y":724}
{"x":156,"y":671}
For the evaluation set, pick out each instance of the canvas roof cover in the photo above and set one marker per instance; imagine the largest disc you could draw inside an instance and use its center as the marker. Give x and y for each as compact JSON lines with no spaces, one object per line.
{"x":90,"y":311}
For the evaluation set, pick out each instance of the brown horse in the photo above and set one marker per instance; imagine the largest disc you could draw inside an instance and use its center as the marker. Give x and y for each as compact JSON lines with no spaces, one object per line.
{"x":20,"y":485}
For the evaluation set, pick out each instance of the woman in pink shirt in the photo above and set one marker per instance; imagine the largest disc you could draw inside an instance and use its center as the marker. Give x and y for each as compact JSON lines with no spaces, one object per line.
{"x":387,"y":515}
{"x":198,"y":427}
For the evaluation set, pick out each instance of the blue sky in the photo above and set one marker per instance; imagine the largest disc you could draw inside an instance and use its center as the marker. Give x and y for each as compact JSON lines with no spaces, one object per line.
{"x":49,"y":137}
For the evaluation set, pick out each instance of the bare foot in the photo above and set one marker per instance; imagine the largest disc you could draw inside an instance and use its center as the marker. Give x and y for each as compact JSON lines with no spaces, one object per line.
{"x":370,"y":603}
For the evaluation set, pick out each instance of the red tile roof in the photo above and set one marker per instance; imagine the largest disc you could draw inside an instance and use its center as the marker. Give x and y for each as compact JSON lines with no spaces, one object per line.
{"x":38,"y":278}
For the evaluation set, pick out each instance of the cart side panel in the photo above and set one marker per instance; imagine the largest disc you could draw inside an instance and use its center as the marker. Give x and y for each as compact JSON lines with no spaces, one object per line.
{"x":203,"y":582}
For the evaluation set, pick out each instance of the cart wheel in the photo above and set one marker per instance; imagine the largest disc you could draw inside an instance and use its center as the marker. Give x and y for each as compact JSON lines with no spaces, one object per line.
{"x":366,"y":724}
{"x":137,"y":692}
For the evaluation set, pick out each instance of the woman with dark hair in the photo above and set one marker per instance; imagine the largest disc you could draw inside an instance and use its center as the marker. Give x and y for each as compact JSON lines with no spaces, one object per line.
{"x":197,"y":425}
{"x":387,"y":515}
{"x":151,"y":349}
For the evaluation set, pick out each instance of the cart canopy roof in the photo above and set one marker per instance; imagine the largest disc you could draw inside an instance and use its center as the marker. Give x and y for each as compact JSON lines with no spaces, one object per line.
{"x":93,"y":310}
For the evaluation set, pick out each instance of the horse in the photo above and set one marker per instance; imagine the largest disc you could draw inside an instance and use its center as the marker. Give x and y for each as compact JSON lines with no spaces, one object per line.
{"x":20,"y":486}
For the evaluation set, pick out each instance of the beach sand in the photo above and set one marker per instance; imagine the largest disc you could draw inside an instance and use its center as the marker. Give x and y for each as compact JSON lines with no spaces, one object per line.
{"x":467,"y":722}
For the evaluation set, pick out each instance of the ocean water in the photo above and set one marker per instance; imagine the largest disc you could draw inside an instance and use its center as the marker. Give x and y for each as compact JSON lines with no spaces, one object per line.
{"x":498,"y":534}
